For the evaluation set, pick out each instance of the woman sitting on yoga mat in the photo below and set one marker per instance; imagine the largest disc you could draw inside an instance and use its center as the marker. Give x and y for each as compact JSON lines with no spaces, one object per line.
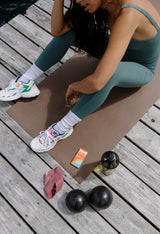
{"x":123,"y":34}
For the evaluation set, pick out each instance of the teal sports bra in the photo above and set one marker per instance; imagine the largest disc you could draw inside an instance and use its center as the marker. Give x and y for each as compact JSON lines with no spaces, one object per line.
{"x":145,"y":52}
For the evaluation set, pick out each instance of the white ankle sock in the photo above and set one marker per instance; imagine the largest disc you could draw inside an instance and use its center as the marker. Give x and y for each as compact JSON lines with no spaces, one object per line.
{"x":31,"y":74}
{"x":68,"y":121}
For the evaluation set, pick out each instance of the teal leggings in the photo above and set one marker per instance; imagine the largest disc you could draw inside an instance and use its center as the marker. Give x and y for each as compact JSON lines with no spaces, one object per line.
{"x":128,"y":74}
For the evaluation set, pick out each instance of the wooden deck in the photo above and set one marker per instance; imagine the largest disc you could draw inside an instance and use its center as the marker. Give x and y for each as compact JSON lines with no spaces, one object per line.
{"x":24,"y":208}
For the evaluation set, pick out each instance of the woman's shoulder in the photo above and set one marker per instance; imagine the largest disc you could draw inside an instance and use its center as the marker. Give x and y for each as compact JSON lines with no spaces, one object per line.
{"x":145,"y":14}
{"x":137,"y":7}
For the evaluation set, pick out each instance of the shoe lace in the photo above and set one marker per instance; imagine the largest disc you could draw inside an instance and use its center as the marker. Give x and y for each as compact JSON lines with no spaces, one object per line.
{"x":46,"y":136}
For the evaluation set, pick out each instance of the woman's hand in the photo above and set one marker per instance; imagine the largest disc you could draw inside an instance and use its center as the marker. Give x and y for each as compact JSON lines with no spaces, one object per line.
{"x":71,"y":95}
{"x":74,"y":91}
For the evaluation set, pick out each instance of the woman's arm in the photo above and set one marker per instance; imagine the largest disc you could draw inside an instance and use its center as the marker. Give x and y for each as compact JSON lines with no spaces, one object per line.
{"x":121,"y":34}
{"x":58,"y":27}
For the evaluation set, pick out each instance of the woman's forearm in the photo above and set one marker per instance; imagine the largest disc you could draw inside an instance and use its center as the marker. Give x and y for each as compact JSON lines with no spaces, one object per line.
{"x":88,"y":85}
{"x":57,"y":19}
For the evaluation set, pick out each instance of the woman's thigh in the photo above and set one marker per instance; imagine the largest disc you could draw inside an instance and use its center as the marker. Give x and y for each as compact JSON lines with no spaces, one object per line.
{"x":127,"y":75}
{"x":132,"y":74}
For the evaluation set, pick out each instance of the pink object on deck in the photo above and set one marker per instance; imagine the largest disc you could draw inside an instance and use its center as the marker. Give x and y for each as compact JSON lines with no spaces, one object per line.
{"x":53,"y":181}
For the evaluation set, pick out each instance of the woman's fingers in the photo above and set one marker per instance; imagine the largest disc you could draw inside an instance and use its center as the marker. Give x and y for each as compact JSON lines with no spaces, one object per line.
{"x":71,"y":96}
{"x":68,"y":94}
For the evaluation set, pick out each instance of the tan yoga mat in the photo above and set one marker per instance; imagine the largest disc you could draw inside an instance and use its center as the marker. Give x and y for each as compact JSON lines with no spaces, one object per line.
{"x":98,"y":132}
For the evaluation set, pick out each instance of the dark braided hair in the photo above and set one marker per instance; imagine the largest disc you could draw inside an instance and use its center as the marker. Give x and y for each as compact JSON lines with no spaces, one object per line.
{"x":90,"y":29}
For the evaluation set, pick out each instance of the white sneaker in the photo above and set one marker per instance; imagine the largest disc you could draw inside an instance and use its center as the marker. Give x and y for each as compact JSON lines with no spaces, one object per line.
{"x":48,"y":139}
{"x":18,"y":89}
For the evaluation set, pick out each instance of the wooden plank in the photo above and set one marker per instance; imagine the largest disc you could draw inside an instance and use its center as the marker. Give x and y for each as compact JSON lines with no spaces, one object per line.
{"x":158,"y":103}
{"x":136,"y":193}
{"x":31,"y":30}
{"x":15,"y":62}
{"x":37,"y":213}
{"x":33,"y":169}
{"x":10,"y":221}
{"x":24,"y":46}
{"x":43,"y":20}
{"x":49,"y":5}
{"x":119,"y":212}
{"x":139,"y":163}
{"x":146,"y":139}
{"x":5,"y":105}
{"x":35,"y":34}
{"x":152,"y":118}
{"x":48,"y":8}
{"x":39,"y":17}
{"x":6,"y":76}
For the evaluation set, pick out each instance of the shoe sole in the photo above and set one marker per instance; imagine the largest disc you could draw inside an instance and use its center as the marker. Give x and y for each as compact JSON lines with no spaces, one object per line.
{"x":51,"y":147}
{"x":30,"y":94}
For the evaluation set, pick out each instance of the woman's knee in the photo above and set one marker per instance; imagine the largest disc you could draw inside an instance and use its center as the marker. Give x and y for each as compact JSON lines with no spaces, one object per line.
{"x":67,"y":38}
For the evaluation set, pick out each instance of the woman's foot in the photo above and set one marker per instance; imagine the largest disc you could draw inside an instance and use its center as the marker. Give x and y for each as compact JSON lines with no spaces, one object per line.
{"x":48,"y":139}
{"x":18,"y":89}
